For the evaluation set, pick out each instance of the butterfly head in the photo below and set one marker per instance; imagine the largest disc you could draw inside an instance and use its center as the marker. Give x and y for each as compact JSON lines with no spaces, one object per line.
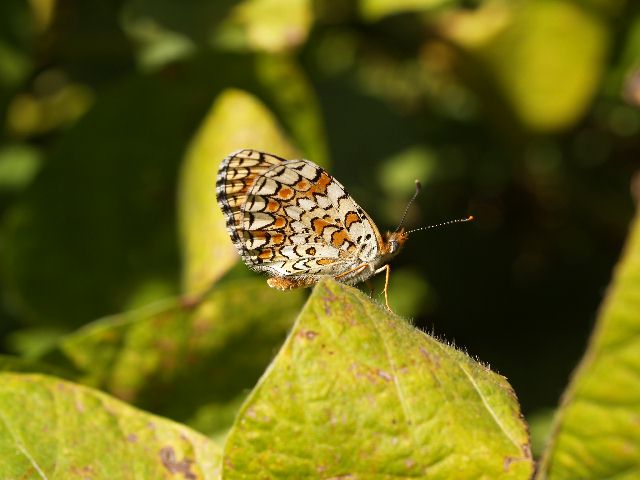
{"x":394,"y":241}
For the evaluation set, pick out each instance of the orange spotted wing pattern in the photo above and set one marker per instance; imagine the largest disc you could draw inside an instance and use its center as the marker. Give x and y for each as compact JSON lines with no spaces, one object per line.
{"x":293,"y":221}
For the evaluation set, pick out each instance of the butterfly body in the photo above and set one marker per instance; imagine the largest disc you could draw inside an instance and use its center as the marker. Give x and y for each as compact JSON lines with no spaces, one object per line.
{"x":294,"y":222}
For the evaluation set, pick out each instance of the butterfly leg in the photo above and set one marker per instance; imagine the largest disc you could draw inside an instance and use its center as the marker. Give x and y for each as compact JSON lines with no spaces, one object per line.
{"x":386,"y":283}
{"x":370,"y":286}
{"x":355,"y":270}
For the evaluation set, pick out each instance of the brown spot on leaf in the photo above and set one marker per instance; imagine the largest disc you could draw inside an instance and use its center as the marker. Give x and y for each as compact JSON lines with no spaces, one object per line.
{"x":168,"y":458}
{"x":434,"y":360}
{"x":526,"y":456}
{"x":507,"y":463}
{"x":310,"y":334}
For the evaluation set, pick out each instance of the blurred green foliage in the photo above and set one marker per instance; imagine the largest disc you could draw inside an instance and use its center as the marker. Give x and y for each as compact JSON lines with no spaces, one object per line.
{"x":524,"y":113}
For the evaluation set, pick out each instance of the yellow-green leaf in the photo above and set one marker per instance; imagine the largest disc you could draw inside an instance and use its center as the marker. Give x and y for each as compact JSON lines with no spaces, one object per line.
{"x":597,"y":429}
{"x":53,"y":429}
{"x":182,"y":362}
{"x":545,"y":56}
{"x":296,"y":105}
{"x":266,"y":25}
{"x":356,"y":392}
{"x":374,"y":10}
{"x":236,"y":120}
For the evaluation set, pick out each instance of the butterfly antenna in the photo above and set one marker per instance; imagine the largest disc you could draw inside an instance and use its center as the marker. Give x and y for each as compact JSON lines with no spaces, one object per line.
{"x":406,"y":210}
{"x":459,"y":220}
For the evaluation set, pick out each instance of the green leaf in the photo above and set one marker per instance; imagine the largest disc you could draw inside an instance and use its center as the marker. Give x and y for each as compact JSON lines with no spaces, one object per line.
{"x":17,"y":35}
{"x":296,"y":105}
{"x":357,"y":392}
{"x":546,"y":57}
{"x":374,"y":10}
{"x":113,"y":219}
{"x":19,"y":163}
{"x":158,"y":357}
{"x":17,"y":364}
{"x":266,"y":25}
{"x":53,"y":429}
{"x":596,"y":432}
{"x":236,"y":120}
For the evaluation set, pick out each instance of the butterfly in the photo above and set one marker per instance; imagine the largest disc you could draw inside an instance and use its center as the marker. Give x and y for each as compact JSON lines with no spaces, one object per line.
{"x":297,"y":224}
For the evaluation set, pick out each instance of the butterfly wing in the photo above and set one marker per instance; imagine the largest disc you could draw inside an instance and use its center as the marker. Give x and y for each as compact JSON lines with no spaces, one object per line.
{"x":291,"y":218}
{"x":236,"y":175}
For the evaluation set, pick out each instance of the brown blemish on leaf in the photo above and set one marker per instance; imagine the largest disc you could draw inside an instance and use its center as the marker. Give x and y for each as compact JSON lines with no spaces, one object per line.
{"x":431,"y":358}
{"x":372,"y":375}
{"x":81,"y":472}
{"x":308,"y":334}
{"x":526,"y":457}
{"x":507,"y":463}
{"x":190,"y":302}
{"x":168,"y":458}
{"x":384,"y":375}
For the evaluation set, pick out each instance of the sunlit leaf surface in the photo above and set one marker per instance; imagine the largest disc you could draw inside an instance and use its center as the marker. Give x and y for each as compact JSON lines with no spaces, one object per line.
{"x":545,"y":57}
{"x":184,"y":362}
{"x":236,"y":120}
{"x":377,"y":9}
{"x":266,"y":25}
{"x":356,"y":392}
{"x":597,"y":434}
{"x":53,"y":429}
